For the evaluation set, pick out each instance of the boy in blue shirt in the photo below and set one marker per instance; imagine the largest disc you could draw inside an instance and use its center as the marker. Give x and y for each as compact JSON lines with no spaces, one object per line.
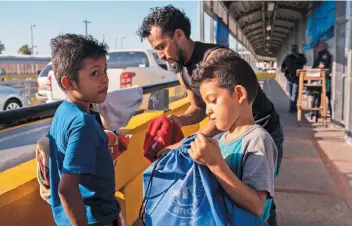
{"x":243,"y":157}
{"x":82,"y":177}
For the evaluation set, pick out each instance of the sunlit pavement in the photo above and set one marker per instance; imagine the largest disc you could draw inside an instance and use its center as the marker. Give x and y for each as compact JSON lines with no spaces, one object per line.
{"x":314,"y":186}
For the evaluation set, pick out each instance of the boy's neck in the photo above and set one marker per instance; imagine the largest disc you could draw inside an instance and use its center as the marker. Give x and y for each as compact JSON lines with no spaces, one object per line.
{"x":243,"y":124}
{"x":80,"y":103}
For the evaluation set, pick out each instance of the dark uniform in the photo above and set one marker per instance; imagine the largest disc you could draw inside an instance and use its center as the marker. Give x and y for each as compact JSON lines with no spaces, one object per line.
{"x":324,"y":57}
{"x":264,"y":112}
{"x":290,"y":66}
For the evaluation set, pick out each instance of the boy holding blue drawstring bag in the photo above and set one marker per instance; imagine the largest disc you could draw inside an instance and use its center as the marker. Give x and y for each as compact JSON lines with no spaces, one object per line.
{"x":233,"y":182}
{"x":243,"y":157}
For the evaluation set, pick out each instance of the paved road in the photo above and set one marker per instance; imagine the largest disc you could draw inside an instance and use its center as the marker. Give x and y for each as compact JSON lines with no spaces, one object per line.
{"x":17,"y":145}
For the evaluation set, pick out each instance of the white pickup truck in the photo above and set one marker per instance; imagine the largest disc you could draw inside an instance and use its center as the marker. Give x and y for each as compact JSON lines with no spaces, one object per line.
{"x":125,"y":68}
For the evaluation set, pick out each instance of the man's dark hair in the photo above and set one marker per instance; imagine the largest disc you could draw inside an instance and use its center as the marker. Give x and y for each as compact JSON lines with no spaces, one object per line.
{"x":229,"y":70}
{"x":68,"y":52}
{"x":168,"y":18}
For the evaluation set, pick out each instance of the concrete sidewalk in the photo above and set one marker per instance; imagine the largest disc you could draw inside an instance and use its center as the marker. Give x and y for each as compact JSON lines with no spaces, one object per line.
{"x":314,"y":186}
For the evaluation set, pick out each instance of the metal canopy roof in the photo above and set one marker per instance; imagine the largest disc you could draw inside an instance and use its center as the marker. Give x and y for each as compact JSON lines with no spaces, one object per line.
{"x":267,"y":23}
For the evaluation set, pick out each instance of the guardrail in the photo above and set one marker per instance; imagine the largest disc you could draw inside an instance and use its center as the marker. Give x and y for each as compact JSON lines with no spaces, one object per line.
{"x":18,"y":77}
{"x":19,"y":116}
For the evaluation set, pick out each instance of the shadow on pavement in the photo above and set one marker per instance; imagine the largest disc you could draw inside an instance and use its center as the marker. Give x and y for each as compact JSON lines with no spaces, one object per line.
{"x":311,"y":188}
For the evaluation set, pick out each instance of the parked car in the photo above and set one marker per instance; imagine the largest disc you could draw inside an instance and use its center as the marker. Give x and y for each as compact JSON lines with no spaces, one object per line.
{"x":126,"y":68}
{"x":2,"y":71}
{"x":42,"y":82}
{"x":11,"y":98}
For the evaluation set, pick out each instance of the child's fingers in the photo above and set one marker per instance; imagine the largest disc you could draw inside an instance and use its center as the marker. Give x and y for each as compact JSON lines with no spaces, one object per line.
{"x":200,"y":135}
{"x":213,"y":141}
{"x":191,"y":153}
{"x":197,"y":142}
{"x":203,"y":140}
{"x":193,"y":146}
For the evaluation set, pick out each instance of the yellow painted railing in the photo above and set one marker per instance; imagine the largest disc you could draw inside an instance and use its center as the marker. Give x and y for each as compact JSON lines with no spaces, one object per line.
{"x":21,"y":77}
{"x":260,"y":75}
{"x":264,"y":75}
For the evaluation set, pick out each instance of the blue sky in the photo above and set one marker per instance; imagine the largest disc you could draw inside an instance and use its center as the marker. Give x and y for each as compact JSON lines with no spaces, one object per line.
{"x":109,"y":20}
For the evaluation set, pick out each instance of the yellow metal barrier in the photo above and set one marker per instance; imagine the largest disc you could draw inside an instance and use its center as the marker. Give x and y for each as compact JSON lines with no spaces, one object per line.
{"x":264,"y":75}
{"x":20,"y":202}
{"x":21,"y":77}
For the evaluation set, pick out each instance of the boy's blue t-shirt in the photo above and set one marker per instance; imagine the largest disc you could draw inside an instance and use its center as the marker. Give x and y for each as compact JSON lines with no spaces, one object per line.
{"x":78,"y":145}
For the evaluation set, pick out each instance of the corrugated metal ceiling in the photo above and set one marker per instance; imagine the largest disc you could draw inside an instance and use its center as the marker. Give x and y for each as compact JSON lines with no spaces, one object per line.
{"x":267,"y":29}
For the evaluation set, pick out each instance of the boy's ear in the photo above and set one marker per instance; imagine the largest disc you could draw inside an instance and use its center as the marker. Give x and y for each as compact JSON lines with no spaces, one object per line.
{"x":240,"y":94}
{"x":66,"y":83}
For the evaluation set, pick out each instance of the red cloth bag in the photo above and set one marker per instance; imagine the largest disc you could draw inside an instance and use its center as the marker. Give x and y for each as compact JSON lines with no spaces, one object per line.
{"x":161,"y":132}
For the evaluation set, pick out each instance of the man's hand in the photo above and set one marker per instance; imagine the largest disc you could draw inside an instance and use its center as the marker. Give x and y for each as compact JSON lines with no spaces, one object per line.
{"x":176,"y":119}
{"x":166,"y":150}
{"x":205,"y":151}
{"x":321,"y":65}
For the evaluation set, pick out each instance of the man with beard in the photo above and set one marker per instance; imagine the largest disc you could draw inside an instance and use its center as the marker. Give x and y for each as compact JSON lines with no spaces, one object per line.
{"x":168,"y":31}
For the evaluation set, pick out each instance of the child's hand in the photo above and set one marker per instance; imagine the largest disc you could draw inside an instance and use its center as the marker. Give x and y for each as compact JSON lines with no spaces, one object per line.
{"x":205,"y":151}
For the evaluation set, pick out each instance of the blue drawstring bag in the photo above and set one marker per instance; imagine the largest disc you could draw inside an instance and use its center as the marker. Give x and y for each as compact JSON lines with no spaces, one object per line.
{"x":178,"y":191}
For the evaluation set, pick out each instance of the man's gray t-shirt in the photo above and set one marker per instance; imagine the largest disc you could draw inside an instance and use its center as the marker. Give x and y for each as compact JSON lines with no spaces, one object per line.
{"x":251,"y":157}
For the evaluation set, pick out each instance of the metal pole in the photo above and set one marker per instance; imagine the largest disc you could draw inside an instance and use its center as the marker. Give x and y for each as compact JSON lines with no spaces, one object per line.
{"x":348,"y":83}
{"x":122,"y":38}
{"x":32,"y":50}
{"x":211,"y":30}
{"x":201,"y":20}
{"x":86,"y":23}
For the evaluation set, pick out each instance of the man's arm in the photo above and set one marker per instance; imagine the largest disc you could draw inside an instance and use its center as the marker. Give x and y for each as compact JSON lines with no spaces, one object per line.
{"x":209,"y":129}
{"x":283,"y":66}
{"x":71,"y":199}
{"x":195,"y":113}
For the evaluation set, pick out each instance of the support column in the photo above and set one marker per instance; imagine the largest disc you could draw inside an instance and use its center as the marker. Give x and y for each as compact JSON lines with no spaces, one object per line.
{"x":211,"y":30}
{"x":201,"y":20}
{"x":339,"y":61}
{"x":348,"y":81}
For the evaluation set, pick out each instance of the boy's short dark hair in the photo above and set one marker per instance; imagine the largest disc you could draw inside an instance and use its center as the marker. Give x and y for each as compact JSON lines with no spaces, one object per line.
{"x":229,"y":70}
{"x":69,"y":50}
{"x":168,"y":18}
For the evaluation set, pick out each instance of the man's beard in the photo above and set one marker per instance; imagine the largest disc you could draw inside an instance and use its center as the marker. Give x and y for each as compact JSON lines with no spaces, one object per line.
{"x":180,"y":62}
